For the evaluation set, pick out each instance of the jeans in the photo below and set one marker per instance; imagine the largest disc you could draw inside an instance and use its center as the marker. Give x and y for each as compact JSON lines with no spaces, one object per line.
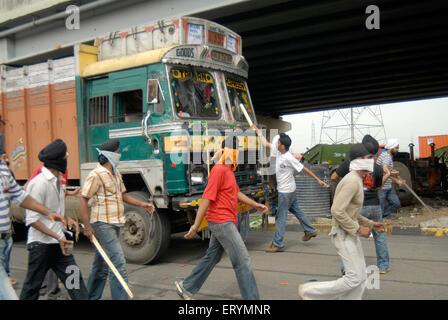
{"x":51,"y":283}
{"x":8,"y":255}
{"x":392,"y":198}
{"x":288,"y":202}
{"x":6,"y":290}
{"x":352,"y":285}
{"x":225,"y":237}
{"x":108,"y":236}
{"x":43,"y":257}
{"x":382,"y":253}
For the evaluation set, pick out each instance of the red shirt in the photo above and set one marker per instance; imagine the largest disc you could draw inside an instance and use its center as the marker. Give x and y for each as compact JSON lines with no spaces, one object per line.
{"x":39,"y":170}
{"x":222,"y":191}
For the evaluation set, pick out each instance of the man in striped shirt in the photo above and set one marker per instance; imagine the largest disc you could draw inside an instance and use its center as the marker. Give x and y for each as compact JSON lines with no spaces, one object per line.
{"x":104,"y":186}
{"x":389,"y":200}
{"x":11,"y":191}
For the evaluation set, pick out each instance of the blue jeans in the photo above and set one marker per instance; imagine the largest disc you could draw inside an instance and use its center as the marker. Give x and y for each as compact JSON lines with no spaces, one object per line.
{"x":8,"y":255}
{"x":288,"y":202}
{"x":6,"y":290}
{"x":108,"y":236}
{"x":389,"y":195}
{"x":382,"y":253}
{"x":225,"y":237}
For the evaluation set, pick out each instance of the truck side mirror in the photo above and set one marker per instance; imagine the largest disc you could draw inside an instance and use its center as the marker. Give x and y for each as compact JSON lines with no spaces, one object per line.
{"x":153,"y":91}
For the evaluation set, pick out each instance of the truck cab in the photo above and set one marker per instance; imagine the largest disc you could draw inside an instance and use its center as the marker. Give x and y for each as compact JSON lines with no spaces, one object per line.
{"x":170,"y":92}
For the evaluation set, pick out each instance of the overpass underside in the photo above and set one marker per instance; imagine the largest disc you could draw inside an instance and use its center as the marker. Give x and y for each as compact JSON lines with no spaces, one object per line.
{"x":315,"y":55}
{"x":303,"y":55}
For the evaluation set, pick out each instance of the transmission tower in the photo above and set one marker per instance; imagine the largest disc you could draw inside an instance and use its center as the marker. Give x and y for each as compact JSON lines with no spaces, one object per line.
{"x":350,"y":125}
{"x":313,"y":134}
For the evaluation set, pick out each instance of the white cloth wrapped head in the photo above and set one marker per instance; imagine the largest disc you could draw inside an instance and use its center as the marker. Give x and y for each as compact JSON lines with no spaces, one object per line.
{"x":392,"y":143}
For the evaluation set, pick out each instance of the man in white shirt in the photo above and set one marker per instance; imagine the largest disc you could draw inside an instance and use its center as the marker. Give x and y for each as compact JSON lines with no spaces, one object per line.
{"x":286,"y":166}
{"x":272,"y":180}
{"x":46,"y":241}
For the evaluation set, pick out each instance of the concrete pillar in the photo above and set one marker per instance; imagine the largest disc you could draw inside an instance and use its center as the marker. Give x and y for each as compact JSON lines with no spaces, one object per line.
{"x":7,"y":49}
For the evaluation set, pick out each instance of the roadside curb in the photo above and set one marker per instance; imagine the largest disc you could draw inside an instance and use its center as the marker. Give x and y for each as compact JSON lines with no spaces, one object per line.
{"x":392,"y":230}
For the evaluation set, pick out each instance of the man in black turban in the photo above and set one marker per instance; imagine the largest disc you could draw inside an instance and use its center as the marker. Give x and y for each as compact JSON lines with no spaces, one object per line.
{"x":54,"y":156}
{"x":47,"y":243}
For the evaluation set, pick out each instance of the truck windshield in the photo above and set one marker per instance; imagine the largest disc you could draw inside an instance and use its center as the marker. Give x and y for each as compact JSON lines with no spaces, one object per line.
{"x":194,"y":93}
{"x":237,"y":90}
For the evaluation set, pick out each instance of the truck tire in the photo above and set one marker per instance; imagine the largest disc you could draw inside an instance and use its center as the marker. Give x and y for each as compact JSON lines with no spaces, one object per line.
{"x":403,"y":194}
{"x":144,"y":237}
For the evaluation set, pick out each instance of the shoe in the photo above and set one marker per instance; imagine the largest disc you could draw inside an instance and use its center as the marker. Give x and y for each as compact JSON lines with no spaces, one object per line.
{"x":384,"y":271}
{"x":309,"y":235}
{"x":274,"y":248}
{"x":181,"y":291}
{"x":12,"y":281}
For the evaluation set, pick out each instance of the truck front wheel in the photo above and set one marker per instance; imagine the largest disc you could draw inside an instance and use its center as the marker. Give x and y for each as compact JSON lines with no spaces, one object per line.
{"x":144,"y":237}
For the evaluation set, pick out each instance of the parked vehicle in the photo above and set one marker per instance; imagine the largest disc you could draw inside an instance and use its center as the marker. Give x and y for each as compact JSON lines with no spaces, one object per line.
{"x":170,"y":91}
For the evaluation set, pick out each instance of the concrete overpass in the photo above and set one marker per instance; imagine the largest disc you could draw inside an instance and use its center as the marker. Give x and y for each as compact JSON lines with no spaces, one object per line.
{"x":303,"y":55}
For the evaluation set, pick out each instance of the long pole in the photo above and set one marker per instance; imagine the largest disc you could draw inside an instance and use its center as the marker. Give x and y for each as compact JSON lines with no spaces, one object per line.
{"x":111,"y":266}
{"x":417,"y":197}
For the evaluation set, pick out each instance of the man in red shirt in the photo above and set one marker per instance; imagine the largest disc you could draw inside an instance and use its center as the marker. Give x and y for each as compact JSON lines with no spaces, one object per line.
{"x":220,"y":203}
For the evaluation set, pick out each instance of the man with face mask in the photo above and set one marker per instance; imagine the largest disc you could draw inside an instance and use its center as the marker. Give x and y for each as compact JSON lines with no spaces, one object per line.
{"x":372,"y":182}
{"x":347,"y":225}
{"x":104,"y":185}
{"x":388,"y":194}
{"x":220,"y":206}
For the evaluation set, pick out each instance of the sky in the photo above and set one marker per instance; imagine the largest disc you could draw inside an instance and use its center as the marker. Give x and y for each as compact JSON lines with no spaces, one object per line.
{"x":405,"y":121}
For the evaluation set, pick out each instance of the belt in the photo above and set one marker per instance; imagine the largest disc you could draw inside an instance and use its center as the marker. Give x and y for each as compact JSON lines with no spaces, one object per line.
{"x":5,"y":236}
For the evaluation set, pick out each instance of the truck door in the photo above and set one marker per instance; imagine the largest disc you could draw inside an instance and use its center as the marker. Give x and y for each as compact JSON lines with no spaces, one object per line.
{"x":115,"y":110}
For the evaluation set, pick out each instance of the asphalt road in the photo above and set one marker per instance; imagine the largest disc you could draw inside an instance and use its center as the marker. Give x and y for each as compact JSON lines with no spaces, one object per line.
{"x":419,"y":268}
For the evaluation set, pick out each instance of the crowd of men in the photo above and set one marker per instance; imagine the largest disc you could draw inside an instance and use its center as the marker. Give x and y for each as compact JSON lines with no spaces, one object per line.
{"x":357,"y":210}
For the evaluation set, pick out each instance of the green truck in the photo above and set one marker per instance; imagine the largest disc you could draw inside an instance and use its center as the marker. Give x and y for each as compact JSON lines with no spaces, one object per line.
{"x":170,"y":91}
{"x":171,"y":107}
{"x":333,"y":154}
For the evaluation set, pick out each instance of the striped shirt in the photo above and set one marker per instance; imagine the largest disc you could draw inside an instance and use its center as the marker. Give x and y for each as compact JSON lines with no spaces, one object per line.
{"x":386,"y":159}
{"x":10,"y":191}
{"x":105,"y":191}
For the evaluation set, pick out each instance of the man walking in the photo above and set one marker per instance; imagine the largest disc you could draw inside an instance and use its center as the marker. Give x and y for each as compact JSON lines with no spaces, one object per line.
{"x":104,"y":185}
{"x":388,"y":193}
{"x":220,"y":205}
{"x":348,"y":224}
{"x":11,"y":191}
{"x":46,"y":241}
{"x":372,"y":182}
{"x":286,"y":166}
